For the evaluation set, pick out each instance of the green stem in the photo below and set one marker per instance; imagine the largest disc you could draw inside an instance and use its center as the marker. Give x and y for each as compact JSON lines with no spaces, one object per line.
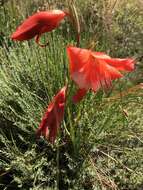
{"x":73,"y":16}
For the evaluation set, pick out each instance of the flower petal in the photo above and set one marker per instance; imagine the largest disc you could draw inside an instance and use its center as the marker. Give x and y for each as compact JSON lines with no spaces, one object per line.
{"x":26,"y":31}
{"x":101,"y":74}
{"x":77,"y":58}
{"x":121,"y":64}
{"x":101,"y":55}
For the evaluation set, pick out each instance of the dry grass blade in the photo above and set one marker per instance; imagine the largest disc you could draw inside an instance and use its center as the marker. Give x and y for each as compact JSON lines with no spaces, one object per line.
{"x":74,"y":18}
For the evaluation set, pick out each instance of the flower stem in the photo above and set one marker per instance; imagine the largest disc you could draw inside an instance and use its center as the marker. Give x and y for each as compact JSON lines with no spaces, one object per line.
{"x":73,"y":16}
{"x":58,"y":166}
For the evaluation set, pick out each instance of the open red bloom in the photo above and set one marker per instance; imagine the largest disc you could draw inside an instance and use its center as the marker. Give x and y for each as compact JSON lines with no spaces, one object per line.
{"x":52,"y":118}
{"x":94,"y":70}
{"x":35,"y":25}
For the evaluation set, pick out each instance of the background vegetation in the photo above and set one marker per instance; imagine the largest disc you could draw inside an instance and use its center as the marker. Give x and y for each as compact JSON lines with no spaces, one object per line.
{"x":101,"y":144}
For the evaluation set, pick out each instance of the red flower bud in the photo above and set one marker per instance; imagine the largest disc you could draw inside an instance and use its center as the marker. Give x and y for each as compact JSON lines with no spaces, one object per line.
{"x":37,"y":24}
{"x":53,"y":117}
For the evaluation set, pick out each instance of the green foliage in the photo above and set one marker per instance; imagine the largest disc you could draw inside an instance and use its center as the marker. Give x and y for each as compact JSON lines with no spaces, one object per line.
{"x":101,"y":138}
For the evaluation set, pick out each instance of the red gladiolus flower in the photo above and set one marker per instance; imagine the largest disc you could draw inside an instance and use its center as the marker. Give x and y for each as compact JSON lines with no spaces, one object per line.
{"x":94,"y":70}
{"x":37,"y":24}
{"x":52,"y":118}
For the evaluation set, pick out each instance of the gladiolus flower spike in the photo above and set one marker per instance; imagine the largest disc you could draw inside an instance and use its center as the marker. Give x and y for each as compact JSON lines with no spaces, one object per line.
{"x":37,"y":24}
{"x":53,"y":117}
{"x":94,"y":70}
